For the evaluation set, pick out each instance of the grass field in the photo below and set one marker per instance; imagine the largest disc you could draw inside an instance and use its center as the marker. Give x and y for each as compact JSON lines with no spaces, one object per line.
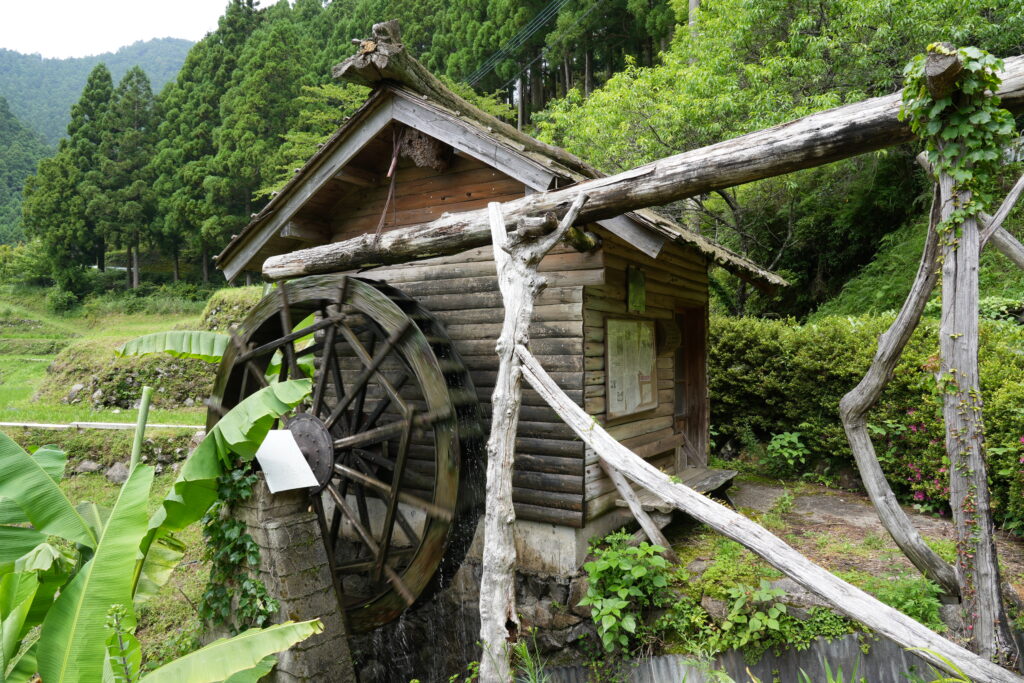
{"x":31,"y":336}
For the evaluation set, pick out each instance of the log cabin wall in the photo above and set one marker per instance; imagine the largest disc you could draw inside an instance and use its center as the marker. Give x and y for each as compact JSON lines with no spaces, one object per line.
{"x":676,"y":293}
{"x":462,"y":291}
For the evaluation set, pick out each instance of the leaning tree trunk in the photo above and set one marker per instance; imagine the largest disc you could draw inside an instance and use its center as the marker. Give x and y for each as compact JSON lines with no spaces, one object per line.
{"x":854,"y":407}
{"x":965,"y":436}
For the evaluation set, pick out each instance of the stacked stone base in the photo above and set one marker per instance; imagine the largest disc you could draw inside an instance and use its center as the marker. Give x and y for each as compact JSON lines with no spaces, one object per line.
{"x":293,"y":567}
{"x":440,"y":637}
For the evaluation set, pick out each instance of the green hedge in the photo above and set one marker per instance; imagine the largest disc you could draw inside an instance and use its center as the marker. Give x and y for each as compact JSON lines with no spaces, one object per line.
{"x":773,"y":376}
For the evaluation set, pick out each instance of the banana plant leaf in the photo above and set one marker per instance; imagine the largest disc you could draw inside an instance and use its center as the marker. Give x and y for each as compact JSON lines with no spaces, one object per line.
{"x":239,"y":432}
{"x":254,"y":674}
{"x":69,"y":649}
{"x":16,"y":541}
{"x":17,"y":591}
{"x":208,"y":346}
{"x":228,"y":656}
{"x":52,"y":567}
{"x":164,"y":555}
{"x":53,"y":462}
{"x":24,"y":481}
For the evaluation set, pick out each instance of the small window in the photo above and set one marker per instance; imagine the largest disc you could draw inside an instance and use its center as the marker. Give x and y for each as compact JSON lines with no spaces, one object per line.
{"x":631,"y":369}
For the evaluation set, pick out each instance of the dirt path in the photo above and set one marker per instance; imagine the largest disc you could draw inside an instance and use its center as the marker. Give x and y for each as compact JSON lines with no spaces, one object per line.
{"x":839,"y":529}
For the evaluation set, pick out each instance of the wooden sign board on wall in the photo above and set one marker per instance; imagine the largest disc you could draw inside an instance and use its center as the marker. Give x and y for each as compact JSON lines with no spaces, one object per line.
{"x":631,"y":368}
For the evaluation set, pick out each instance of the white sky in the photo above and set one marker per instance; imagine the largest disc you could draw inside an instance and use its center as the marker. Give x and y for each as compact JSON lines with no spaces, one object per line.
{"x":78,"y":28}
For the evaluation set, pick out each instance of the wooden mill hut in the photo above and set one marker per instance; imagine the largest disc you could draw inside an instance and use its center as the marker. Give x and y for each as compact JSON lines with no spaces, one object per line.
{"x":622,"y":328}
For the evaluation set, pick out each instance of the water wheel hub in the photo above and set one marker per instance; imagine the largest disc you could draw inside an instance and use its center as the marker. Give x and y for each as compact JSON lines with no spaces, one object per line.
{"x":316,"y":445}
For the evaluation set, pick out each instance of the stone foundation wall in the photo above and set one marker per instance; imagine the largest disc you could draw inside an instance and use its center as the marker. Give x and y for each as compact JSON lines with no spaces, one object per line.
{"x":439,"y":637}
{"x":293,"y":567}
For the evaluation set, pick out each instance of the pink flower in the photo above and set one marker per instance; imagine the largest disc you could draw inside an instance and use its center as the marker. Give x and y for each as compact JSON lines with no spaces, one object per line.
{"x":1022,"y":439}
{"x":919,"y":495}
{"x":913,"y":428}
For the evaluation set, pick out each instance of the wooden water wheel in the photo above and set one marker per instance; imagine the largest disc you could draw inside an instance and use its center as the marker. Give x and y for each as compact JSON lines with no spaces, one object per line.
{"x":391,"y":430}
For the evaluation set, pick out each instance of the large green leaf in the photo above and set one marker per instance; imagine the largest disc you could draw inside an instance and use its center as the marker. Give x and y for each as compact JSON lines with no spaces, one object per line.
{"x":16,"y":541}
{"x":254,"y":674}
{"x":24,"y":480}
{"x":52,"y":567}
{"x":239,"y":432}
{"x":71,"y":646}
{"x":52,"y":461}
{"x":208,"y":346}
{"x":17,"y":590}
{"x":163,"y":556}
{"x":223,"y":658}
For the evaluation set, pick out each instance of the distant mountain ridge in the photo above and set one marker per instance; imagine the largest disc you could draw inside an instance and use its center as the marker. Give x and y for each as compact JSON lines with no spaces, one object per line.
{"x":20,"y":150}
{"x":41,"y":90}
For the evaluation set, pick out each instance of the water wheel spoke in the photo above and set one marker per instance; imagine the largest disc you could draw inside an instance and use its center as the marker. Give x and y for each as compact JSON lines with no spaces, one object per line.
{"x":403,"y":497}
{"x":396,"y":481}
{"x":373,"y":363}
{"x":286,"y":328}
{"x":272,"y":346}
{"x":250,"y":367}
{"x":365,"y":565}
{"x":371,"y":421}
{"x":321,"y":381}
{"x":361,"y":507}
{"x":364,"y":535}
{"x":400,"y":518}
{"x":389,"y":430}
{"x":376,"y":458}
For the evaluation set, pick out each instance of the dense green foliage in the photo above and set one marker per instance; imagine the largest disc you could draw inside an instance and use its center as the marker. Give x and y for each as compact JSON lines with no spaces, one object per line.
{"x":20,"y":151}
{"x":71,"y":574}
{"x":751,"y":65}
{"x":42,"y":90}
{"x":774,"y":376}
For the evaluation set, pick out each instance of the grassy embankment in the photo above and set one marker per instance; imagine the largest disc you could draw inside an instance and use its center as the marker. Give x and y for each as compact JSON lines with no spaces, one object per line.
{"x":31,"y":337}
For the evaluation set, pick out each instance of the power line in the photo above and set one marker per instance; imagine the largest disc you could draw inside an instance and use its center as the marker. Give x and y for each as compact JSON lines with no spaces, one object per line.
{"x":517,"y":41}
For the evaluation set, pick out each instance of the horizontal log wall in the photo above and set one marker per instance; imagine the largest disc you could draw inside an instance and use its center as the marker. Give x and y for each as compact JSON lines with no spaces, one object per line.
{"x":677,"y":278}
{"x":462,"y":291}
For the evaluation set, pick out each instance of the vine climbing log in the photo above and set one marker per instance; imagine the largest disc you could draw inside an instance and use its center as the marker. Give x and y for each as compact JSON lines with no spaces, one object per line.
{"x":959,"y":381}
{"x":854,"y":407}
{"x":843,"y":597}
{"x":809,"y":141}
{"x":516,"y":258}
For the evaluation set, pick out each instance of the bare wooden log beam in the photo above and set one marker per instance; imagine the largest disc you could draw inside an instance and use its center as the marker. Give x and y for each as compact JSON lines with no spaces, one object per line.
{"x":652,"y":530}
{"x":810,"y":141}
{"x":843,"y":597}
{"x":516,"y":257}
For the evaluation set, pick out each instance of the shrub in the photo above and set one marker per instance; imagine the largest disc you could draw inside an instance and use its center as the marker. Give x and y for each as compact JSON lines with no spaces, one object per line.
{"x":227,"y":307}
{"x":60,"y":300}
{"x":120,"y":380}
{"x":624,"y":581}
{"x":770,"y":377}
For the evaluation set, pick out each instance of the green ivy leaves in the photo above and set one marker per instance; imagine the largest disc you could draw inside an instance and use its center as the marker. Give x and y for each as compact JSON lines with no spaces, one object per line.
{"x":964,"y":133}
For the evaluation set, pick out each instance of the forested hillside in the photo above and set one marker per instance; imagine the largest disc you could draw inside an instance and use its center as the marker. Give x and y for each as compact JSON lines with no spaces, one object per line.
{"x":41,"y":90}
{"x":20,"y":151}
{"x":616,"y":83}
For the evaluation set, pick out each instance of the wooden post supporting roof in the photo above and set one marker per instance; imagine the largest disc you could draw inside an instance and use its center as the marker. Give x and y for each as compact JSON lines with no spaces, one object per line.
{"x":813,"y":140}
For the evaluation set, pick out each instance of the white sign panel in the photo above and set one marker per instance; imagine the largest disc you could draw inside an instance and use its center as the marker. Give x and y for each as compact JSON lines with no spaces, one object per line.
{"x":282,"y":462}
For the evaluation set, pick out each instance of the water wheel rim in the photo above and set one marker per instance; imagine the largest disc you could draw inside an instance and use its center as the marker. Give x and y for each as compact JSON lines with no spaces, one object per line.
{"x":308,"y":295}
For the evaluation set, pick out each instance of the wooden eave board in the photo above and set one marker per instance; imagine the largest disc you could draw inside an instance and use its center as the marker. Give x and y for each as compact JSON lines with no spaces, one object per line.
{"x":350,"y":139}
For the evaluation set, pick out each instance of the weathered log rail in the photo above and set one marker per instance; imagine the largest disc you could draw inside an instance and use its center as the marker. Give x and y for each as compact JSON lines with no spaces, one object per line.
{"x":843,"y":597}
{"x":810,"y":141}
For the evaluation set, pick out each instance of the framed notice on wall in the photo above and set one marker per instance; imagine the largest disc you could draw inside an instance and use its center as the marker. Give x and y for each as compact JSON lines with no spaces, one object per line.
{"x":632,"y":376}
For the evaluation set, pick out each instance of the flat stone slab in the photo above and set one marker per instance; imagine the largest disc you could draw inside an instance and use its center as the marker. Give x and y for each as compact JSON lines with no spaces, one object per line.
{"x":700,"y":479}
